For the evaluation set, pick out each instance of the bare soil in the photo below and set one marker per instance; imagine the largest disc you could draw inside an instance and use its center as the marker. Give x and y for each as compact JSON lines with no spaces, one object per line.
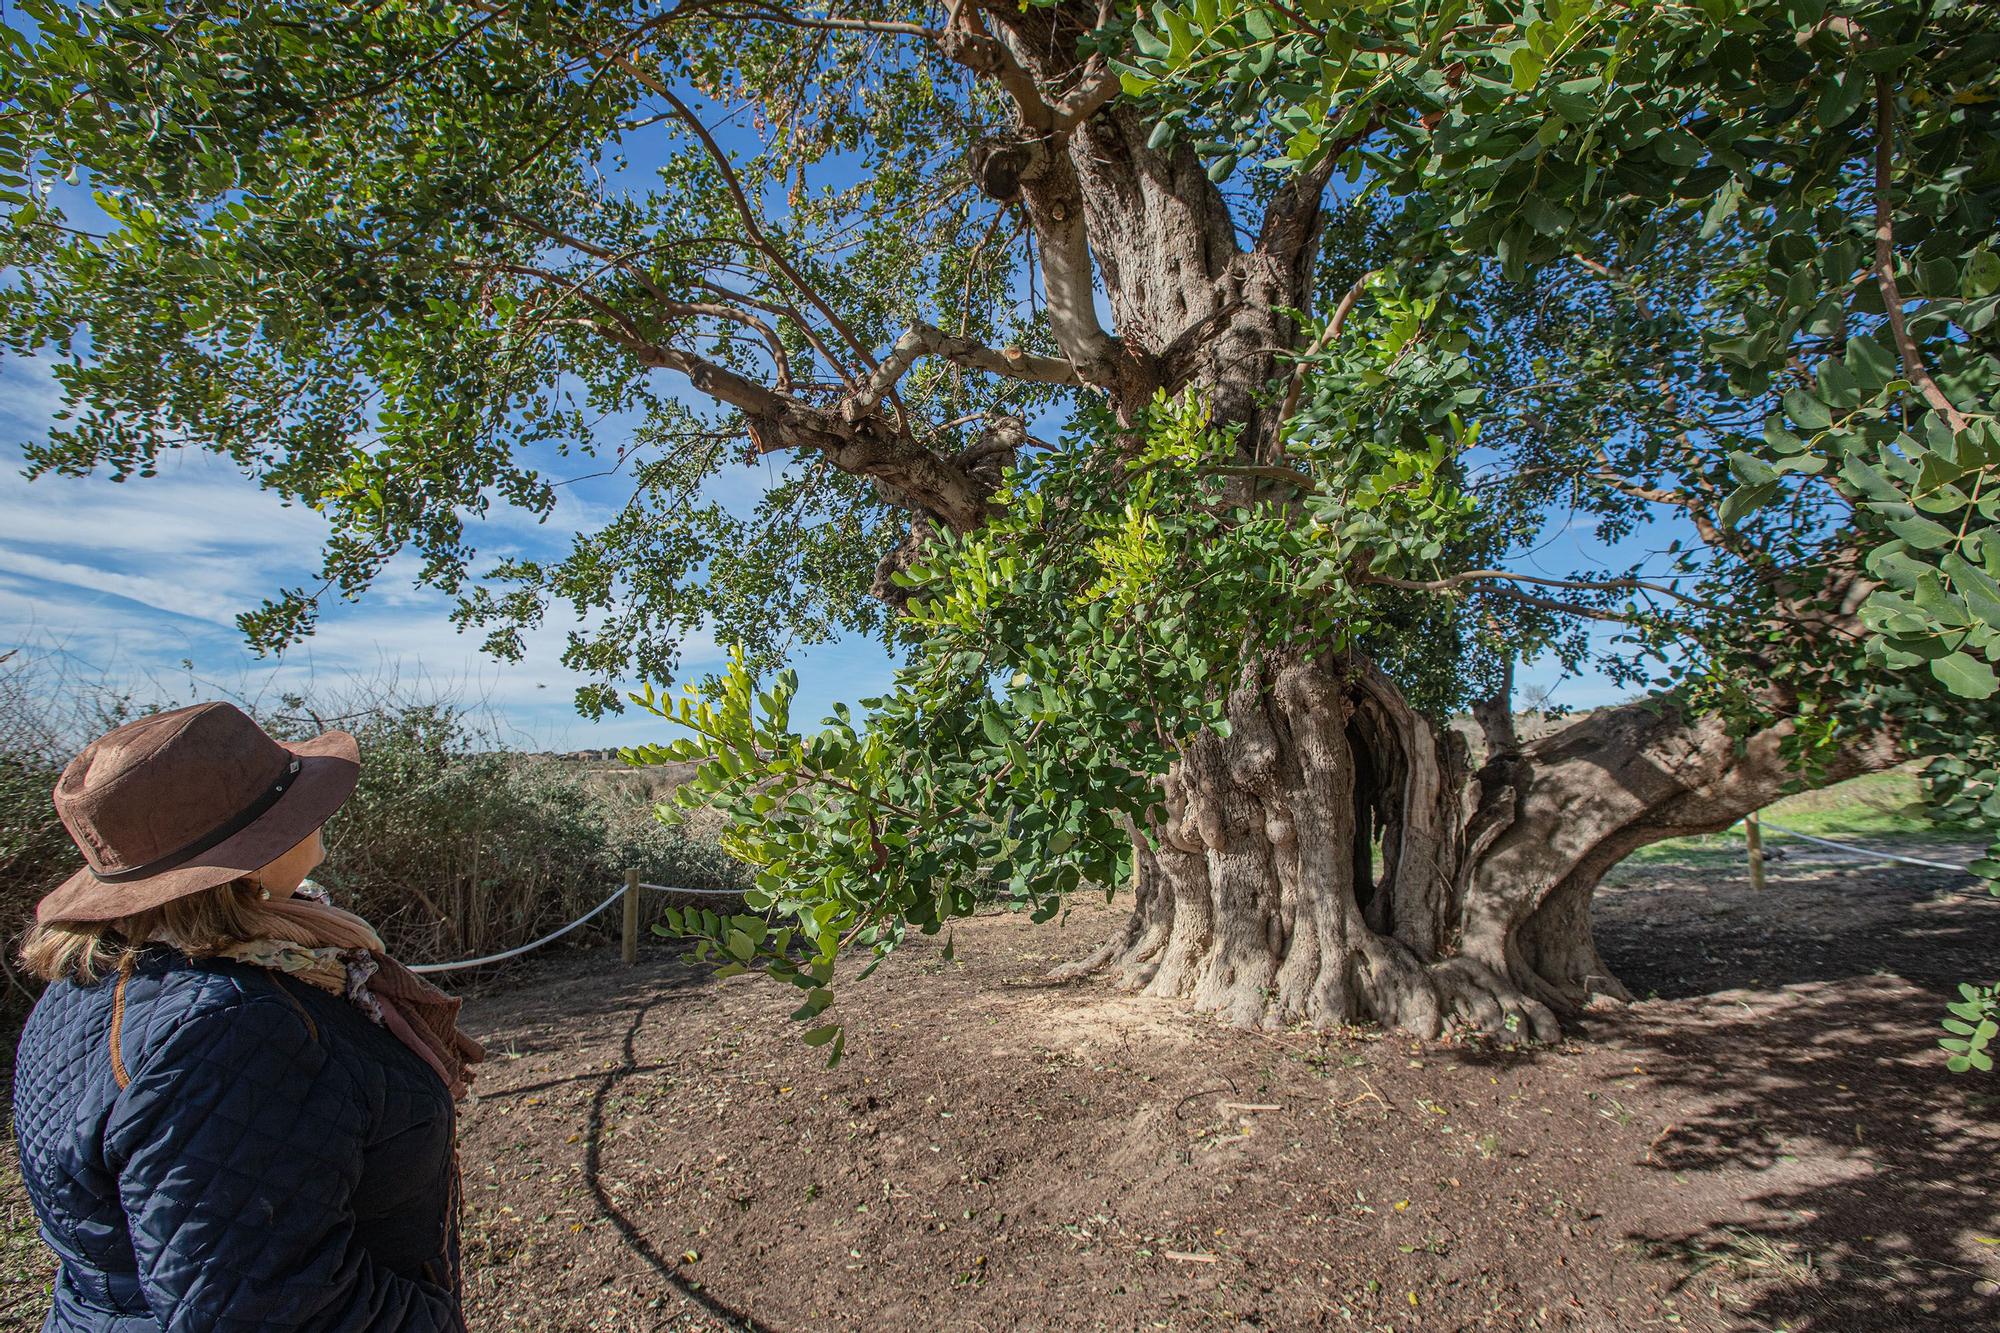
{"x":1768,"y":1142}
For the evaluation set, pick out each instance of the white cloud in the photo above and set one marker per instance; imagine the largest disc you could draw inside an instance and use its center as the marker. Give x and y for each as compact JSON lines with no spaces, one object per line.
{"x":125,"y":583}
{"x":173,"y":594}
{"x":29,"y":395}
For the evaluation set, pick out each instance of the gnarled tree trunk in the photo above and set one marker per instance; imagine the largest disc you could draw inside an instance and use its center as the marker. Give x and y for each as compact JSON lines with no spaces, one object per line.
{"x":1334,"y":859}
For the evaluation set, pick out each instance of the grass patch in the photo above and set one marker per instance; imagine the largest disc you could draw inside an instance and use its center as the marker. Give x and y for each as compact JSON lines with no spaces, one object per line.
{"x":1875,"y":805}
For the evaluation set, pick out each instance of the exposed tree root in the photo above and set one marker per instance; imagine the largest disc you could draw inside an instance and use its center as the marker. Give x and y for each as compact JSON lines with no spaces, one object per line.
{"x":1334,"y":860}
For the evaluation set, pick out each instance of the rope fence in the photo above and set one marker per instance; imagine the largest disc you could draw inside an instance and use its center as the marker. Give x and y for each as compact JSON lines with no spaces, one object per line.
{"x":630,"y":932}
{"x":1752,"y":830}
{"x":1869,"y":853}
{"x":630,"y":941}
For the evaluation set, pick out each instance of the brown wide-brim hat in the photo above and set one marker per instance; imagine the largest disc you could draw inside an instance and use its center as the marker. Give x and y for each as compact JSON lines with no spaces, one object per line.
{"x":185,"y":800}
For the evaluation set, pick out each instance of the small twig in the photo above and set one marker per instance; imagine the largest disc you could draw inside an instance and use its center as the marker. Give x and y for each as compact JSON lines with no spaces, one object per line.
{"x":1369,"y":1095}
{"x":1321,"y":343}
{"x":1885,"y":257}
{"x":1658,"y":1140}
{"x":1205,"y":1092}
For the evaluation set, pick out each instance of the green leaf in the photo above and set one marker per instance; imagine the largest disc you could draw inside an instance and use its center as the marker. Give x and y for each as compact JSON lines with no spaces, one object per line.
{"x":1921,"y":533}
{"x":1965,"y":676}
{"x":1746,"y":500}
{"x":1809,"y":412}
{"x":1527,"y":67}
{"x":1751,"y":470}
{"x":1677,"y":148}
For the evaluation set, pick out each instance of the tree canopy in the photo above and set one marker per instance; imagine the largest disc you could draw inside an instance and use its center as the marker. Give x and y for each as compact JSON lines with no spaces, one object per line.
{"x":1715,"y":281}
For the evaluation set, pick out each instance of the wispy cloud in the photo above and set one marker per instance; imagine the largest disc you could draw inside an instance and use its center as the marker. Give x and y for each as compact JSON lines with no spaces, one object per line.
{"x":129,"y":582}
{"x":166,"y":593}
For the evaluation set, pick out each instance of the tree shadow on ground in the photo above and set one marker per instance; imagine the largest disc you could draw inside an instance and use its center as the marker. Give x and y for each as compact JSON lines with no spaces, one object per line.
{"x":1677,"y":931}
{"x":631,"y":1233}
{"x":602,"y":988}
{"x":1803,"y":1040}
{"x":1880,"y":1163}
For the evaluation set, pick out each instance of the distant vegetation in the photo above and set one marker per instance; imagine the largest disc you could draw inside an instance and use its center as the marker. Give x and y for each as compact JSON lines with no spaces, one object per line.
{"x":1875,"y":805}
{"x":451,"y":847}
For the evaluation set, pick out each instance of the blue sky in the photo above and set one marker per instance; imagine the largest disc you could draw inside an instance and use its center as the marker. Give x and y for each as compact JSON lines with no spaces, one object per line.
{"x":128,"y":582}
{"x":138,"y":585}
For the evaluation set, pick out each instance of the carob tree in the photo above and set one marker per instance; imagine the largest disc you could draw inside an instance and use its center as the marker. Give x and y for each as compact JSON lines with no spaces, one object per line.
{"x":1350,"y":307}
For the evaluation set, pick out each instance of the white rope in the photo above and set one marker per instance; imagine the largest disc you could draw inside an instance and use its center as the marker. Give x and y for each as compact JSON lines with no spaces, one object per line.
{"x":669,"y":888}
{"x":515,"y":953}
{"x":1868,"y":852}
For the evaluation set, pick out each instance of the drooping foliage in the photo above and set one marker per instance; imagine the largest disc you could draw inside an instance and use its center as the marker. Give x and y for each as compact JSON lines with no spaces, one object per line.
{"x":403,"y":261}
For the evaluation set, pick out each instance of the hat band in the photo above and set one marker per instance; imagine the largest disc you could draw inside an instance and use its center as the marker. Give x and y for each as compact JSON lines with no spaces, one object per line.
{"x":208,"y":841}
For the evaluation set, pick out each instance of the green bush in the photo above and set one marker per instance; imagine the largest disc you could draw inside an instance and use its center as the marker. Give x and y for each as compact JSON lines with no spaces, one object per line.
{"x":454,"y":851}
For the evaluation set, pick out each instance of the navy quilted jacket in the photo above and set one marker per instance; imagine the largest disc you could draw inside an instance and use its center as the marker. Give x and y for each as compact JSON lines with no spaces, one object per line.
{"x":250,"y":1154}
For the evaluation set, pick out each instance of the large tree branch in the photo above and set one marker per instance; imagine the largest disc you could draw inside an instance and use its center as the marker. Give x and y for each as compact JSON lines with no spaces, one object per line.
{"x":1055,"y":207}
{"x":1292,"y":219}
{"x":752,"y":224}
{"x":968,"y":41}
{"x":907,"y":473}
{"x":927,"y":340}
{"x":1033,"y":167}
{"x":1099,"y":87}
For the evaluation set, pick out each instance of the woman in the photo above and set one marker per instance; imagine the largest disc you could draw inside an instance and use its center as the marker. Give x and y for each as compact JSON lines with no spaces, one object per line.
{"x":234,"y":1111}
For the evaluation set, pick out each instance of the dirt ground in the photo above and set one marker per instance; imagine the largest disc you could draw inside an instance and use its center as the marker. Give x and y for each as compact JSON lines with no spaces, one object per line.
{"x":1769,"y":1142}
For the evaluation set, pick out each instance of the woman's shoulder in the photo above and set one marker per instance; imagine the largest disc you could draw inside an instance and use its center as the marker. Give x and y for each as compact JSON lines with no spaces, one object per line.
{"x":169,"y":1014}
{"x":167,"y":994}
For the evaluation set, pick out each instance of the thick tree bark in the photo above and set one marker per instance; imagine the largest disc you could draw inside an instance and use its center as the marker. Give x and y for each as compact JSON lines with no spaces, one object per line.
{"x":1305,"y":867}
{"x":1551,"y":819}
{"x":1333,"y":860}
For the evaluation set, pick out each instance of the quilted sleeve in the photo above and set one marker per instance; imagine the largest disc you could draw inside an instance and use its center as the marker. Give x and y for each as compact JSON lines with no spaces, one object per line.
{"x":238,"y":1146}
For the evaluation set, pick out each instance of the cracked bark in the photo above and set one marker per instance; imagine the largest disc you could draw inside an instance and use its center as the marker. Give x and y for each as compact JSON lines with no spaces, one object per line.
{"x":1332,"y":860}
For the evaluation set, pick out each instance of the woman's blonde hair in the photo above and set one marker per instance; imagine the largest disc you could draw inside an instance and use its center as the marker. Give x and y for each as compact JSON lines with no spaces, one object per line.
{"x":200,"y":924}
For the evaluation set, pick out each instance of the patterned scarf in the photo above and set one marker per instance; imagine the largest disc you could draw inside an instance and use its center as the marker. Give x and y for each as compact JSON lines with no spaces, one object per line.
{"x":309,"y":938}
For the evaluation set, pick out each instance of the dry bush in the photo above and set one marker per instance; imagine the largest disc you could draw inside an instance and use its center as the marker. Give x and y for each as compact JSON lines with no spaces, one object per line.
{"x":451,"y":846}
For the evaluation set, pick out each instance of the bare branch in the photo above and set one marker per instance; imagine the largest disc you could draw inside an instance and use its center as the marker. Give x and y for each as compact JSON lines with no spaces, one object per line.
{"x":784,"y":310}
{"x":1100,"y":86}
{"x":1321,"y":343}
{"x":1885,"y":257}
{"x":745,"y":11}
{"x":1459,"y":580}
{"x":927,"y":340}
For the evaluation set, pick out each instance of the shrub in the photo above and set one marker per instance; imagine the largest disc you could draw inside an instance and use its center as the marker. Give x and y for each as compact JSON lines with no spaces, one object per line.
{"x":452,"y":847}
{"x":456,"y":851}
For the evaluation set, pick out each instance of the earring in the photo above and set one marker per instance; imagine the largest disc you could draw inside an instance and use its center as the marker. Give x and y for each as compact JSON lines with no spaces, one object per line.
{"x":264,"y":893}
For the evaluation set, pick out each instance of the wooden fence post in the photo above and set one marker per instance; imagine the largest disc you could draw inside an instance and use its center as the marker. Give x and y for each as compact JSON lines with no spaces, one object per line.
{"x":631,"y":917}
{"x":1753,"y":838}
